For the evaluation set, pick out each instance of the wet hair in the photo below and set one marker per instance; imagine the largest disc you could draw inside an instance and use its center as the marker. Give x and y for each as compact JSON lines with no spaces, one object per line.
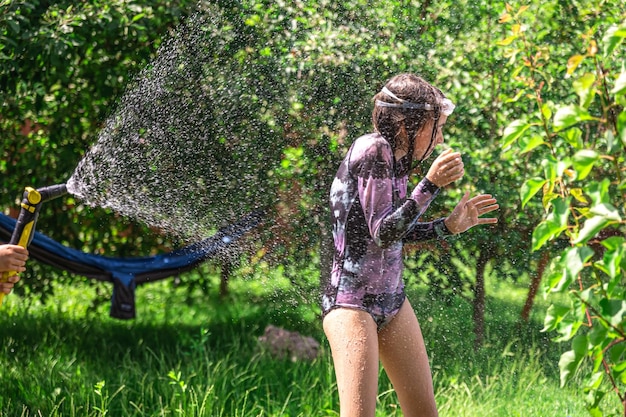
{"x":400,"y":125}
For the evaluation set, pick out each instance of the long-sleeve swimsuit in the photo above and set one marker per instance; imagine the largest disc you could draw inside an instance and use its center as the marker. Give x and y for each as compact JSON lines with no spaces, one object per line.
{"x":372,"y":218}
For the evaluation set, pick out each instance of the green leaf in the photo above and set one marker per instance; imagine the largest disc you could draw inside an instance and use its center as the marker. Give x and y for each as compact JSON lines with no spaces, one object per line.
{"x":620,"y":84}
{"x":612,"y":38}
{"x":592,"y":401}
{"x":622,"y":377}
{"x":554,"y":315}
{"x":611,"y":262}
{"x":597,"y":335}
{"x":574,"y":260}
{"x":615,"y":243}
{"x":554,"y":224}
{"x":591,"y":228}
{"x":620,"y":366}
{"x":568,"y":328}
{"x":548,"y":197}
{"x":583,"y":162}
{"x":612,"y":145}
{"x":546,"y":111}
{"x":573,"y":137}
{"x":552,"y":274}
{"x":616,"y":352}
{"x":531,"y":143}
{"x":613,"y":310}
{"x":595,"y":380}
{"x":138,"y":17}
{"x":529,"y":188}
{"x":561,"y":212}
{"x":607,"y":210}
{"x":584,"y":87}
{"x":568,"y":116}
{"x":542,"y":233}
{"x":599,"y":191}
{"x":513,"y":132}
{"x":580,"y":345}
{"x":610,"y":265}
{"x":554,"y":168}
{"x":570,"y":360}
{"x":604,"y":214}
{"x":568,"y":364}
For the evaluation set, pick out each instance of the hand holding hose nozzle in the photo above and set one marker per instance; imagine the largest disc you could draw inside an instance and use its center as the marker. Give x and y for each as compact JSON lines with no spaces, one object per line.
{"x":25,"y":226}
{"x":12,"y":261}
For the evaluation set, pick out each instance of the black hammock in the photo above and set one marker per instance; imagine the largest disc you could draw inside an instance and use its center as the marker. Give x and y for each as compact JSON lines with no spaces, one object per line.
{"x":127,"y":273}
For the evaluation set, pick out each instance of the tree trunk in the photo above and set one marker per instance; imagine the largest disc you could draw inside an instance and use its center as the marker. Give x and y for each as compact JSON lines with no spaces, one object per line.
{"x":479,"y":298}
{"x":225,"y":270}
{"x":534,"y":286}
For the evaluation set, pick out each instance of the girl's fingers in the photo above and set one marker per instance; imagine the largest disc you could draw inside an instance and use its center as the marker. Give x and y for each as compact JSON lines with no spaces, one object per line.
{"x":489,"y":204}
{"x":488,"y":210}
{"x":491,"y":207}
{"x":13,"y":279}
{"x":448,"y":156}
{"x":484,"y":204}
{"x":483,"y":200}
{"x":480,"y":197}
{"x":17,"y":265}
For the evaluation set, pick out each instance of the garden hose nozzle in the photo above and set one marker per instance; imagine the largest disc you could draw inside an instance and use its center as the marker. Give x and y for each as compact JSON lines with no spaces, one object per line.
{"x":25,"y":225}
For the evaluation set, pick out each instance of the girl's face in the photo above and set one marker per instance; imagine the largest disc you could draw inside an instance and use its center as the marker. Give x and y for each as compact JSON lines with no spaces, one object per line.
{"x":423,"y":147}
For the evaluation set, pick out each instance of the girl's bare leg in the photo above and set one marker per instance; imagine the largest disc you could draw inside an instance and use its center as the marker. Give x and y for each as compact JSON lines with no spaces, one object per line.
{"x":404,"y":358}
{"x":354,"y":344}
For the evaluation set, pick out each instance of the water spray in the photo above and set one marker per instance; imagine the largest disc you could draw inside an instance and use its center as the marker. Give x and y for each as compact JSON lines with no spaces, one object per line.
{"x":26,"y":221}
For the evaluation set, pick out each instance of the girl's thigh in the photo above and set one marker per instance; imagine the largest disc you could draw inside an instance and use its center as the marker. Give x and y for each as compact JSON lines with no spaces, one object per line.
{"x":403,"y":355}
{"x":353,"y":341}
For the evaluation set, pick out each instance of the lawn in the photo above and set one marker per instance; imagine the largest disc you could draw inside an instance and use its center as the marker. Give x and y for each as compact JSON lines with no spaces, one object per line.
{"x":196,"y":354}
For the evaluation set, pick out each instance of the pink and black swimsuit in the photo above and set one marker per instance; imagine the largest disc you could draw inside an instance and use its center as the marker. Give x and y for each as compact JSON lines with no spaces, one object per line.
{"x":372,"y":218}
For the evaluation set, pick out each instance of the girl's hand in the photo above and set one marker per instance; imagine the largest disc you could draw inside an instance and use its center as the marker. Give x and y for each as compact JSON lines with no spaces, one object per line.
{"x":447,"y":168}
{"x":467,"y":213}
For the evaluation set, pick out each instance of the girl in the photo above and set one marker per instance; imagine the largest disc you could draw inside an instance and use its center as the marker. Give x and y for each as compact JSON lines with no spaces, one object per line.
{"x":366,"y":314}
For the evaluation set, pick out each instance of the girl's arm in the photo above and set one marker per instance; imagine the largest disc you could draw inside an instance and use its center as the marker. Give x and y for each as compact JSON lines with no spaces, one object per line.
{"x":464,"y":216}
{"x":373,"y":166}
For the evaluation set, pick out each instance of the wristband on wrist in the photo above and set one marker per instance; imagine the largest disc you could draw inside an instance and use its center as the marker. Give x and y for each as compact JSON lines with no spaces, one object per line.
{"x":441,"y":229}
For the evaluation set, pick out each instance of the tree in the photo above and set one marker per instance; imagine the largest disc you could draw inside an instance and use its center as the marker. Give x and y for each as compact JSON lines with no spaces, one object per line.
{"x":63,"y":67}
{"x":580,"y":142}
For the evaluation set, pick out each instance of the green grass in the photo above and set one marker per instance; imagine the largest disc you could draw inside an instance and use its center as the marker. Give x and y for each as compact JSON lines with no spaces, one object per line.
{"x":198,"y":356}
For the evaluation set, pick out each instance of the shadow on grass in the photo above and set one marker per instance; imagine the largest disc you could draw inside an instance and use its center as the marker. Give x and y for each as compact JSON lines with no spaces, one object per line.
{"x":218,"y":323}
{"x":213,"y":324}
